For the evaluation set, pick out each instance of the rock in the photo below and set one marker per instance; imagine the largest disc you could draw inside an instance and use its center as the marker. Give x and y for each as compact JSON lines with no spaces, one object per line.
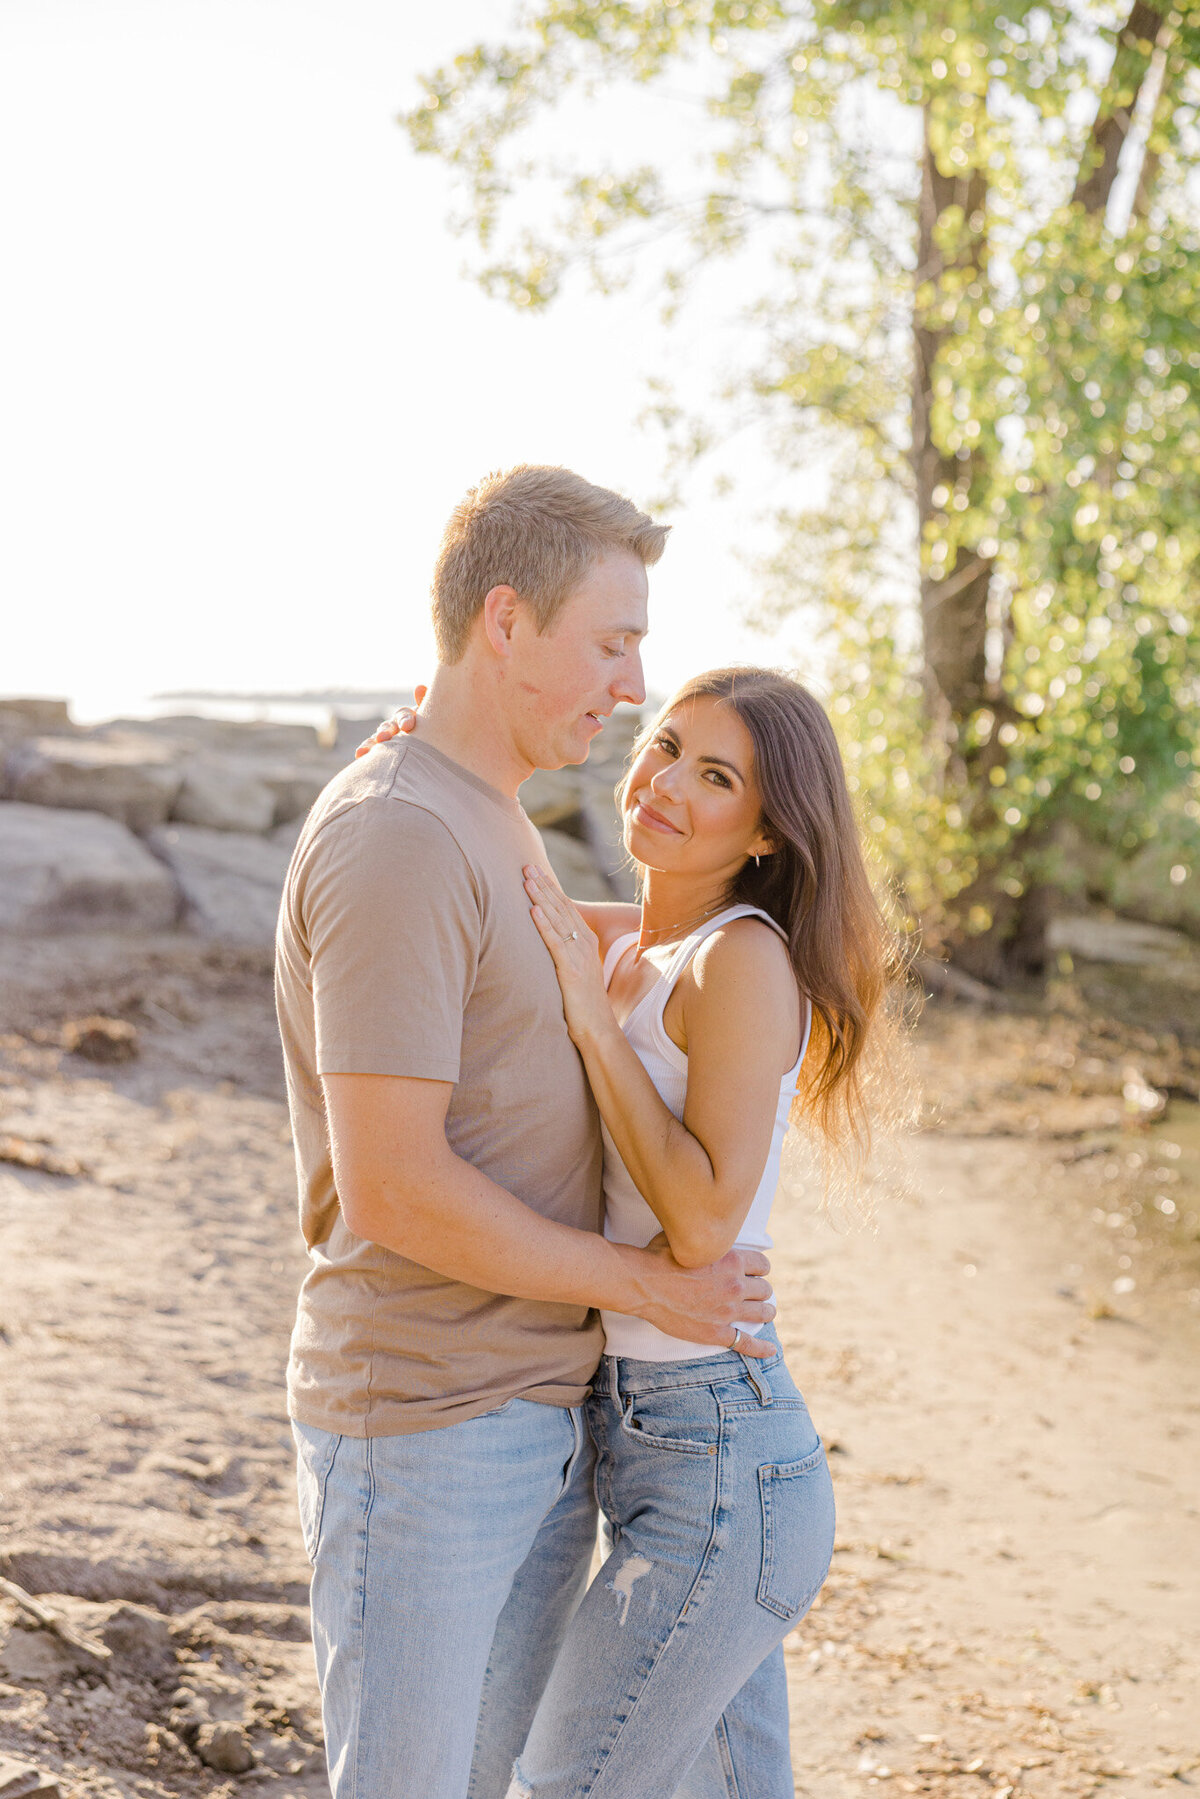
{"x":245,"y":1617}
{"x":1148,"y":886}
{"x":226,"y":1747}
{"x":602,"y":834}
{"x":66,"y":870}
{"x":31,"y":718}
{"x":230,"y":882}
{"x":611,"y":750}
{"x":37,"y":1656}
{"x":99,"y":1039}
{"x":189,"y":1712}
{"x":573,"y":863}
{"x":552,"y":795}
{"x":20,"y":1778}
{"x":1120,"y":940}
{"x":224,"y":796}
{"x":288,"y":835}
{"x":296,"y":789}
{"x":125,"y":775}
{"x":139,"y":1638}
{"x":252,"y":737}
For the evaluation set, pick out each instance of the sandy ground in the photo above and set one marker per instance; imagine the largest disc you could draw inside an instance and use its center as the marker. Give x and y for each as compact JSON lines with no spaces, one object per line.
{"x":1004,"y":1373}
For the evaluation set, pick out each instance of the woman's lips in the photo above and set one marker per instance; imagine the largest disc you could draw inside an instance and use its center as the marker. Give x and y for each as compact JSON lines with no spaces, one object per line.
{"x":645,"y":815}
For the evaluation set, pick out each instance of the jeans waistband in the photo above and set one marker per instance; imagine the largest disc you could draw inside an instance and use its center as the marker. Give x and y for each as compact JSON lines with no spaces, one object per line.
{"x":625,"y":1377}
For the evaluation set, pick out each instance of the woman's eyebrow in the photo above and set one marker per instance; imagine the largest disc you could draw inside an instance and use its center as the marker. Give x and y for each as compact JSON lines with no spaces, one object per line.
{"x":720,"y":762}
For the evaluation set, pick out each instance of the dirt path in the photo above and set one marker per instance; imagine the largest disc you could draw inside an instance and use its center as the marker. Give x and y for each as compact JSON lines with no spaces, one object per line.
{"x":1014,"y":1598}
{"x":1015,"y":1446}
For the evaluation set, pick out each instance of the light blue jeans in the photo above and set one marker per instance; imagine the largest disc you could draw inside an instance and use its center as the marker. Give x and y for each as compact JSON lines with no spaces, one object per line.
{"x":720,"y":1508}
{"x":446,"y":1565}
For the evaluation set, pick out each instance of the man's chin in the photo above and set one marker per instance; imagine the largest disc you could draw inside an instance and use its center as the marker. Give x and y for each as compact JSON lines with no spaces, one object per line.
{"x":572,"y":750}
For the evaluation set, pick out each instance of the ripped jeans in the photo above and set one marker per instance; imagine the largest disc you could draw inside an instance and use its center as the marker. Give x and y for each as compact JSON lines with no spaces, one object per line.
{"x":720,"y":1506}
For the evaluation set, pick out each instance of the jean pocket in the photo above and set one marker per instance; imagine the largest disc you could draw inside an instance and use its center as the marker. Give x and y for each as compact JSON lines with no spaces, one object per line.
{"x":316,"y":1451}
{"x":684,"y":1420}
{"x":797,"y":1516}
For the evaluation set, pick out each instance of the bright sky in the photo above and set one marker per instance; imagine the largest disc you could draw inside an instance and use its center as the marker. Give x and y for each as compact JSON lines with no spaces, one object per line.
{"x":243,"y":378}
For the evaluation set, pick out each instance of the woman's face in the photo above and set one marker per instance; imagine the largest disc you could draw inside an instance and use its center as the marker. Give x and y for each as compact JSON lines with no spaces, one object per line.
{"x":691,"y":804}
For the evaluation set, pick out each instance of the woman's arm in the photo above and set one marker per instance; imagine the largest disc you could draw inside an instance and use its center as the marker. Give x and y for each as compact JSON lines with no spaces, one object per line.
{"x":741,"y":1017}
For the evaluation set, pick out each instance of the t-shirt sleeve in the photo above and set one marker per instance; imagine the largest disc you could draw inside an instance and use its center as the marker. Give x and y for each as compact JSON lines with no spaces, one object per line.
{"x":391,"y":914}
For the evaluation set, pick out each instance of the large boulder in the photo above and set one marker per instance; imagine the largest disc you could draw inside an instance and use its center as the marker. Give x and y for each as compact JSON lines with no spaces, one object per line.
{"x":241,"y":793}
{"x":611,"y":750}
{"x":602,"y":833}
{"x":252,"y":737}
{"x":230,"y":881}
{"x":223,"y":796}
{"x":551,"y":796}
{"x":295,"y":786}
{"x":573,"y":863}
{"x":32,"y":718}
{"x":68,"y":870}
{"x":126,"y":775}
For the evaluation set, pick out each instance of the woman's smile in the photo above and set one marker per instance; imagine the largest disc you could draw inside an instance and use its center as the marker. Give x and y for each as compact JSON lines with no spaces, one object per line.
{"x":652,"y":820}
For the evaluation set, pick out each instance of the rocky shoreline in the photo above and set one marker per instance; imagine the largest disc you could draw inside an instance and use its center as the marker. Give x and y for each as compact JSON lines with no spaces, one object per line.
{"x":187,"y":823}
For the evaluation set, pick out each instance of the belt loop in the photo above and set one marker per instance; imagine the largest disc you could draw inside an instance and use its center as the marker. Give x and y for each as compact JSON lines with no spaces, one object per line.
{"x":765,"y":1395}
{"x":614,"y":1386}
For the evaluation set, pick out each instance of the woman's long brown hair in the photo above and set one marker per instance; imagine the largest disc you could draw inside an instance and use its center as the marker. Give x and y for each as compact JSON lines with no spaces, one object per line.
{"x":816,"y":887}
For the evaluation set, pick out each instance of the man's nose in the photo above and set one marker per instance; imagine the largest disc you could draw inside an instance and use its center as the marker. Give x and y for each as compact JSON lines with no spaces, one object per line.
{"x":630,"y":684}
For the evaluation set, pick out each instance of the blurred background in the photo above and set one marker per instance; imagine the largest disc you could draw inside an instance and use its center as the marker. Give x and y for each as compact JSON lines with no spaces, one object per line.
{"x":890,"y":310}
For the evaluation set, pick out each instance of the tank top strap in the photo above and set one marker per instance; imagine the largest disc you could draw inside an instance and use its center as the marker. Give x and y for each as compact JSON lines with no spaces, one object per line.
{"x":683,"y":955}
{"x":694,"y":939}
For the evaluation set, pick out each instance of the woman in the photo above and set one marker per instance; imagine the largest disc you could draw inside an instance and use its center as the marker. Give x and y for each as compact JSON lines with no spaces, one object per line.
{"x":744,"y":992}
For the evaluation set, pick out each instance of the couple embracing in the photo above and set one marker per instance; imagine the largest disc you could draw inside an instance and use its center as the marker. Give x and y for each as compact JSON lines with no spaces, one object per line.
{"x":538,"y":1144}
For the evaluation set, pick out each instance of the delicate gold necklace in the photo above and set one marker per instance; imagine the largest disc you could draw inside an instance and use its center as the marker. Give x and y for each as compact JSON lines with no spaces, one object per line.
{"x":687,"y":925}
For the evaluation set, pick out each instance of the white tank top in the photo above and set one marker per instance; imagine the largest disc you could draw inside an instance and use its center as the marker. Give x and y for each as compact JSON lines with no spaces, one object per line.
{"x":627,"y":1217}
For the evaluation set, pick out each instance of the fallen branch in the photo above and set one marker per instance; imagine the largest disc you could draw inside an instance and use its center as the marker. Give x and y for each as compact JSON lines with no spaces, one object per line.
{"x":943,"y":977}
{"x":50,"y":1620}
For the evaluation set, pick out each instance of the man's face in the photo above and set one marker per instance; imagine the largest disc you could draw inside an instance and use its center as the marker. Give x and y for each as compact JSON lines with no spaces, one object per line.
{"x":564,"y":683}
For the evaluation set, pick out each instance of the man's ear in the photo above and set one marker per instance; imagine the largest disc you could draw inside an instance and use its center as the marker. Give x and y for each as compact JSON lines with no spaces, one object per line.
{"x":500,"y":606}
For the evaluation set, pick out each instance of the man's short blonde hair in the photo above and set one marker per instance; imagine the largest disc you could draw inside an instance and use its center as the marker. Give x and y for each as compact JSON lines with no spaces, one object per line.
{"x":536,"y":530}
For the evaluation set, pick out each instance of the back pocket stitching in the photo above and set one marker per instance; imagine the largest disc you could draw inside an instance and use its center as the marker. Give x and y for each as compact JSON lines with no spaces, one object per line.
{"x":766,"y":1475}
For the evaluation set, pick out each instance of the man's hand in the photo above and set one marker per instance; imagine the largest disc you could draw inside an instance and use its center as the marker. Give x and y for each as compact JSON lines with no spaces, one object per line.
{"x":704,"y":1305}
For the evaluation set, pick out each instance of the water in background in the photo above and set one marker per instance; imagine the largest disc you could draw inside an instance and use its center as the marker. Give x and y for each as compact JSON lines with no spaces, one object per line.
{"x":317,"y":707}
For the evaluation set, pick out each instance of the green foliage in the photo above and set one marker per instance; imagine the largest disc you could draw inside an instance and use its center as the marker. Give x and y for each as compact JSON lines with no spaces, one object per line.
{"x":1064,"y":408}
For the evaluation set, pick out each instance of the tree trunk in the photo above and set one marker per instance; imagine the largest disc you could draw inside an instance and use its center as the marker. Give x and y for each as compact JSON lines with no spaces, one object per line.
{"x":954,"y":600}
{"x":1114,"y":117}
{"x":954,"y":616}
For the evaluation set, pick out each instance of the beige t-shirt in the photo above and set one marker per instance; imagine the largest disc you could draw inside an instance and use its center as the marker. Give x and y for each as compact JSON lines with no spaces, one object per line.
{"x":405,"y":947}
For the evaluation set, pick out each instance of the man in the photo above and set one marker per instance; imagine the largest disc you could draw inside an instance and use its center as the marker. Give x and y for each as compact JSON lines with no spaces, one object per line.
{"x":449,"y":1162}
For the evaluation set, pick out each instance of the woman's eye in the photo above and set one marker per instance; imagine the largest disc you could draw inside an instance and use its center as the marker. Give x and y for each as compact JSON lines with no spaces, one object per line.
{"x":666,"y":743}
{"x":719,"y":778}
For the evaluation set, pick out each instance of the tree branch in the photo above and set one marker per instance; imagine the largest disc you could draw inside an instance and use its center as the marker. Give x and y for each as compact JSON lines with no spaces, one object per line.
{"x":1114,"y":116}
